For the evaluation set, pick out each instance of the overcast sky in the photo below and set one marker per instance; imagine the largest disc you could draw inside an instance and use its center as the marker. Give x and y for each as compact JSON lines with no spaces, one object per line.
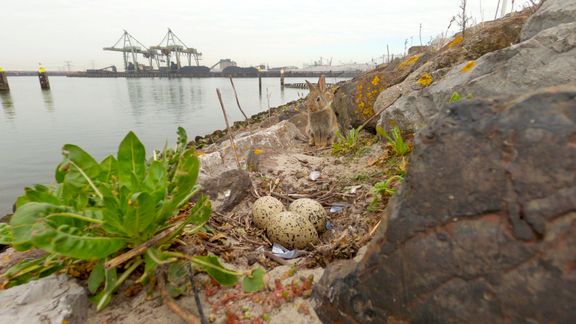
{"x":250,"y":32}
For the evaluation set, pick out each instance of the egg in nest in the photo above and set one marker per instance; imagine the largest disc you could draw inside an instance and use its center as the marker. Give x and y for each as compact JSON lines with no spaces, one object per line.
{"x":292,"y":231}
{"x":264,"y":210}
{"x":312,"y":210}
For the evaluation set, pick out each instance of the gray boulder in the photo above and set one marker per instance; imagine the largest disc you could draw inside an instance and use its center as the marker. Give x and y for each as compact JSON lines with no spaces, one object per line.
{"x":552,"y":13}
{"x":227,"y":189}
{"x":53,"y":299}
{"x":547,"y":59}
{"x":482,"y":230}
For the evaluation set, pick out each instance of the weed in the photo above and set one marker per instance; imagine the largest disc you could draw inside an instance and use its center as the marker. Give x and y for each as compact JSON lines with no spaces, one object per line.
{"x":387,"y":187}
{"x":396,"y":141}
{"x":455,"y":97}
{"x":118,"y":215}
{"x":350,"y":144}
{"x":384,"y":189}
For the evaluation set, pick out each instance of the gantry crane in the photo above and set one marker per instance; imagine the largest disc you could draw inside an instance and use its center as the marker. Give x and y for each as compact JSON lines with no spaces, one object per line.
{"x":131,"y":47}
{"x":171,"y":44}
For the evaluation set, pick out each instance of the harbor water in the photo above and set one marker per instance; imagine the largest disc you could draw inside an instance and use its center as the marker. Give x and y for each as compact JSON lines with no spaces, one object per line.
{"x":96,"y":113}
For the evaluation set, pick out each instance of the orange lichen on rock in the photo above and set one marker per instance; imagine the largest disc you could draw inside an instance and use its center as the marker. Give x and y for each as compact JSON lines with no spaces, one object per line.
{"x":409,"y":61}
{"x":468,"y":66}
{"x":425,"y":80}
{"x":367,"y":92}
{"x":456,"y":41}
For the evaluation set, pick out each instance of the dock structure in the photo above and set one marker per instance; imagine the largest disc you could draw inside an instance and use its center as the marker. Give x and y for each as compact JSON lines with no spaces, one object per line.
{"x":171,"y":50}
{"x":210,"y":74}
{"x":302,"y":85}
{"x":3,"y":81}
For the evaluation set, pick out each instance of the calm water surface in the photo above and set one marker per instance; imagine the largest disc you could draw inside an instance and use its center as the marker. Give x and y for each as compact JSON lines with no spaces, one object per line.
{"x":97,"y":113}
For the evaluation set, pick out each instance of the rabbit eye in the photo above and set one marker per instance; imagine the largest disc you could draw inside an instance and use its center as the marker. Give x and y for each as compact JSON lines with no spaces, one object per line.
{"x":318,"y":99}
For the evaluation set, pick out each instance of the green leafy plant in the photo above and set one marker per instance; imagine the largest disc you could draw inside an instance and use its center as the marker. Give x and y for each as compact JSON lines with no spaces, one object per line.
{"x":117,"y":214}
{"x":387,"y":187}
{"x":349,"y":144}
{"x":345,"y":144}
{"x":455,"y":97}
{"x":384,"y":188}
{"x":399,"y":146}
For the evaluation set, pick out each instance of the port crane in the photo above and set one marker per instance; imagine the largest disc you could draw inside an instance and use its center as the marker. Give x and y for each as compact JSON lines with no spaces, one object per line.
{"x":171,"y":44}
{"x":130,"y":48}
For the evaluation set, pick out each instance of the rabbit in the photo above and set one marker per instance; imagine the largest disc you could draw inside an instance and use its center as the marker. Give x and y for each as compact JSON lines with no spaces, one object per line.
{"x":322,"y":122}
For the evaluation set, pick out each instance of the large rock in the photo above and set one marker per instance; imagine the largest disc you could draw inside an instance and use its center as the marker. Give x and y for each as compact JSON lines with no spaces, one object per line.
{"x":54,"y":299}
{"x":483,"y":229}
{"x":220,"y":158}
{"x":552,"y":13}
{"x":227,"y":189}
{"x":354,"y":100}
{"x":480,"y":40}
{"x":547,"y":59}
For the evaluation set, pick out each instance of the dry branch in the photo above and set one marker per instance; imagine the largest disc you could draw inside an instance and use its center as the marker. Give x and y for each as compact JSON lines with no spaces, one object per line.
{"x":229,"y":130}
{"x":237,"y":101}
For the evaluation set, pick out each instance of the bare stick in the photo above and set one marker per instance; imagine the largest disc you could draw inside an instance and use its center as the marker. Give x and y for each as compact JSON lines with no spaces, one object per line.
{"x":268,"y":98}
{"x":229,"y":130}
{"x":374,"y":229}
{"x":139,"y":249}
{"x":236,"y":96}
{"x":196,"y":294}
{"x":181,"y":312}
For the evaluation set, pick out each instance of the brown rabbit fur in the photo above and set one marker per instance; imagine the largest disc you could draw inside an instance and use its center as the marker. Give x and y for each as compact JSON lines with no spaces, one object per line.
{"x":322,"y":122}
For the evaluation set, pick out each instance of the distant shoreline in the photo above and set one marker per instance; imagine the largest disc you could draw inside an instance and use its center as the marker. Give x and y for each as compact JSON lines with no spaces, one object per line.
{"x":157,"y":74}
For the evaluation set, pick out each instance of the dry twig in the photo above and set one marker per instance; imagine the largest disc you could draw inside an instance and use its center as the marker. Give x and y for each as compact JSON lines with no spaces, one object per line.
{"x":237,"y":101}
{"x":139,"y":249}
{"x":229,"y":130}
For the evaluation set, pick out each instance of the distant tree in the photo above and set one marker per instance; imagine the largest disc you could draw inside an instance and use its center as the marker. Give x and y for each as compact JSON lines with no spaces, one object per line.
{"x":461,"y":18}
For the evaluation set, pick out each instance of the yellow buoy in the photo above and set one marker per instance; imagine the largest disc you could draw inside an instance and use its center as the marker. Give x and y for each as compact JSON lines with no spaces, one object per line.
{"x":43,"y":77}
{"x":3,"y":81}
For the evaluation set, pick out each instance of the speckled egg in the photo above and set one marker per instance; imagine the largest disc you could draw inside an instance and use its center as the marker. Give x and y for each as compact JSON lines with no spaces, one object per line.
{"x":292,"y":230}
{"x":264,"y":209}
{"x":312,"y":210}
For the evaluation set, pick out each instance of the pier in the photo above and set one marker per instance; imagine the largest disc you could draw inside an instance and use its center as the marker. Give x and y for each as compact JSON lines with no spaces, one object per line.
{"x":302,"y":85}
{"x":176,"y":74}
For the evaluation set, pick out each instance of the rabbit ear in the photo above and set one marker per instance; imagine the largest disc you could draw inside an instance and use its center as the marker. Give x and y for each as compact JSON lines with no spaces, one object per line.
{"x":311,"y":87}
{"x":322,"y":83}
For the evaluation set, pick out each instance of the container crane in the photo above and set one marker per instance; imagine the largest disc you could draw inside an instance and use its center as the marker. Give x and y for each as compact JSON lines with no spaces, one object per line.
{"x":130,"y":48}
{"x":171,"y":44}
